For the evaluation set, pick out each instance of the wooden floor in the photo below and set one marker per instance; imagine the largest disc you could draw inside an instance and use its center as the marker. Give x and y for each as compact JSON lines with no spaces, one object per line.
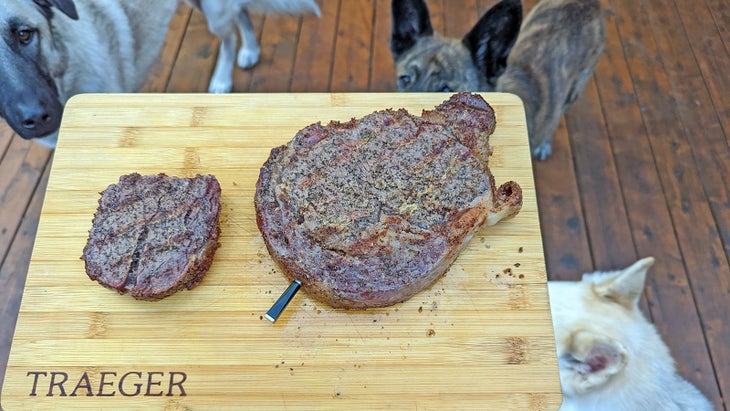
{"x":641,"y":163}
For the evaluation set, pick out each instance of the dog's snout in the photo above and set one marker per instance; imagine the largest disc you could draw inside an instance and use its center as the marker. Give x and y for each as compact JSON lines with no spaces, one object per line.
{"x":37,"y":119}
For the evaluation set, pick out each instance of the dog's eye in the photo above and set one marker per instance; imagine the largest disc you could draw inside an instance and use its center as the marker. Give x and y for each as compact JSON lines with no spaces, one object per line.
{"x":404,"y":80}
{"x":24,"y":35}
{"x":446,"y":89}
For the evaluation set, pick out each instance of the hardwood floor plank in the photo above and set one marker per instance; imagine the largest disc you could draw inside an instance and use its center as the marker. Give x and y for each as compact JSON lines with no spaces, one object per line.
{"x":160,"y":73}
{"x":602,"y":199}
{"x":669,"y":300}
{"x":20,"y":170}
{"x":6,"y":136}
{"x":721,"y":15}
{"x":194,"y":65}
{"x":14,"y":270}
{"x":315,"y":49}
{"x":565,"y":241}
{"x":459,"y":17}
{"x":695,"y":228}
{"x":708,"y":51}
{"x":709,"y":147}
{"x":382,"y":68}
{"x":352,"y":47}
{"x":278,"y":51}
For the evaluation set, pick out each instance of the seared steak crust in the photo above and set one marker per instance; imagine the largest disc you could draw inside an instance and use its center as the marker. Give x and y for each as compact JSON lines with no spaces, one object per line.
{"x":369,"y":212}
{"x":154,"y":235}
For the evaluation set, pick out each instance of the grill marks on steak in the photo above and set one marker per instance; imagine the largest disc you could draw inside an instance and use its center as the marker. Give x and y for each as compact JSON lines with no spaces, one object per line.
{"x":154,"y":235}
{"x":368,"y":212}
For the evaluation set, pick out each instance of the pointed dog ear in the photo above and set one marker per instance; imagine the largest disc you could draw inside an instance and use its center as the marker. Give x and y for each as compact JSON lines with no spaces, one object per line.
{"x":411,"y":21}
{"x":625,"y":286}
{"x":492,"y":38}
{"x":66,"y":7}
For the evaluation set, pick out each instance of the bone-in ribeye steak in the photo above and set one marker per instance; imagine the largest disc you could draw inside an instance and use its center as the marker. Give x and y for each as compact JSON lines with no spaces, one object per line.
{"x":369,"y":212}
{"x":154,"y":235}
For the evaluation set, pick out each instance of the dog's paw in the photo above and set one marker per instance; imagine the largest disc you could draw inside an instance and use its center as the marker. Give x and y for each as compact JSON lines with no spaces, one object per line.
{"x":542,"y":151}
{"x":248,"y":58}
{"x":218,"y":86}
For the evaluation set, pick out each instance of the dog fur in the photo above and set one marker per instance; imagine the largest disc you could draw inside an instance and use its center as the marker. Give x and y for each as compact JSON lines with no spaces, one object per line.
{"x":225,"y":17}
{"x":545,"y":59}
{"x":51,"y":50}
{"x":609,"y":355}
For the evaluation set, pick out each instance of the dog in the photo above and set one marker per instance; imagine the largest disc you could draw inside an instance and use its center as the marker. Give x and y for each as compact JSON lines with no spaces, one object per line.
{"x":610,"y":357}
{"x":53,"y":49}
{"x":546,"y":59}
{"x":225,"y":16}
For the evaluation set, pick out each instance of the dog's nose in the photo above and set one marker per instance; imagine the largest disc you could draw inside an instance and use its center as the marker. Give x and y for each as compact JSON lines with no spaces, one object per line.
{"x":37,"y":119}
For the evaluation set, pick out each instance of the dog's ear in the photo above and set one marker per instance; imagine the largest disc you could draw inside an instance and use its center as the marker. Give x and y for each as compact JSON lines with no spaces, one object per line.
{"x":623,"y":287}
{"x":492,"y":38}
{"x":591,"y":360}
{"x":411,"y":21}
{"x":66,"y":7}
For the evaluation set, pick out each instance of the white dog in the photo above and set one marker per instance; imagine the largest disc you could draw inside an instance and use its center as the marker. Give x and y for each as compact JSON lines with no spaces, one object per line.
{"x":610,"y":357}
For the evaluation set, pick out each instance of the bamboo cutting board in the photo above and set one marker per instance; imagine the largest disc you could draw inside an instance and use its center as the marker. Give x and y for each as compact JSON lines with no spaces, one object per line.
{"x":480,"y":338}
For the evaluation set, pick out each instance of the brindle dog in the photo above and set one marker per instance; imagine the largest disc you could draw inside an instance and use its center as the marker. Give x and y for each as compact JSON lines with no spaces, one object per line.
{"x":546,"y":62}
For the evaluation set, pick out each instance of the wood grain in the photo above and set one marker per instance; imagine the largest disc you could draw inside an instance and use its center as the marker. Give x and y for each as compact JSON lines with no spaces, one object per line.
{"x":704,"y":262}
{"x":353,"y":44}
{"x":313,"y":67}
{"x":480,"y":338}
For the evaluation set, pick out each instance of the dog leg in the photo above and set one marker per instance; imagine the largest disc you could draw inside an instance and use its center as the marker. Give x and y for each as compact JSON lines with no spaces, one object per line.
{"x":222,"y":79}
{"x":222,"y":26}
{"x":542,"y":151}
{"x":248,"y":55}
{"x":541,"y":136}
{"x":578,"y":86}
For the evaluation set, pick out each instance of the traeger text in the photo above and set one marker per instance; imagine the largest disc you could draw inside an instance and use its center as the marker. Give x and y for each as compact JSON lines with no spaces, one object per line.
{"x":108,"y":384}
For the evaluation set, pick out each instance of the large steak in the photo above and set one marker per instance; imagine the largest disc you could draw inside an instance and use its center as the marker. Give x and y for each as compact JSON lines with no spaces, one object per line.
{"x":369,"y":212}
{"x":154,"y":235}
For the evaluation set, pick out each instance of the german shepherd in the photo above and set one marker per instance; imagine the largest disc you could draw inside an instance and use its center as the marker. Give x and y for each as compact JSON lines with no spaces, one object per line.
{"x":546,"y":60}
{"x":51,"y":50}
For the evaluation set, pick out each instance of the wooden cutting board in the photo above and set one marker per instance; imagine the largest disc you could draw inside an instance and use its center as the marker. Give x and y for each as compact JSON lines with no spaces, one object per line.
{"x":480,"y":338}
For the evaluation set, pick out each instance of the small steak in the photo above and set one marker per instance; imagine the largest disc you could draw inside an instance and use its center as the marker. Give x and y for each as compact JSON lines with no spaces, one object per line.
{"x":369,"y":212}
{"x":154,"y":235}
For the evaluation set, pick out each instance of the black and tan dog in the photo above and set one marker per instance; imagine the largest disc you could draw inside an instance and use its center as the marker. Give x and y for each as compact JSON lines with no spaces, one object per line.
{"x":546,"y":62}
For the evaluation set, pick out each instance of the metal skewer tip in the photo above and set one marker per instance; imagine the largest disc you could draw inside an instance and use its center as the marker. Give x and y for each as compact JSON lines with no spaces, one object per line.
{"x":280,"y":304}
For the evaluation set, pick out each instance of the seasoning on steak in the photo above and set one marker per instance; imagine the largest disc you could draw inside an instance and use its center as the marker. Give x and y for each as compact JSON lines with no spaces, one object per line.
{"x":154,"y":235}
{"x":369,"y":212}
